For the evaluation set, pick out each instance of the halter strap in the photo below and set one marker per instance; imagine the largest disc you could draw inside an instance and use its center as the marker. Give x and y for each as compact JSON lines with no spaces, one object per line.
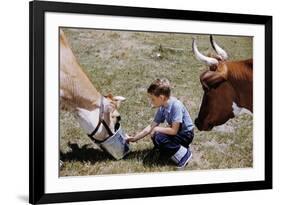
{"x":101,"y":121}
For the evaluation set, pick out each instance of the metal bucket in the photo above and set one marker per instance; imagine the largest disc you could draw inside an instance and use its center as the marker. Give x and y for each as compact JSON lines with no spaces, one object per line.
{"x":116,"y":144}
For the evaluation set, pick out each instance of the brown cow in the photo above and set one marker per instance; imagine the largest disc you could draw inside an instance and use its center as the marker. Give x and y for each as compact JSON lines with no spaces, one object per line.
{"x":77,"y":94}
{"x":228,"y":87}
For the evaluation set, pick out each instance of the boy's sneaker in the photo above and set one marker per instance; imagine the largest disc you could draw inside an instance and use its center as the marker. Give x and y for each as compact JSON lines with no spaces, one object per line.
{"x":185,"y":159}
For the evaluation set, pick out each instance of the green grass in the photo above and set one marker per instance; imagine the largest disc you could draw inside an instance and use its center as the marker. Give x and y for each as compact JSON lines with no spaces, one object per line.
{"x":125,"y":63}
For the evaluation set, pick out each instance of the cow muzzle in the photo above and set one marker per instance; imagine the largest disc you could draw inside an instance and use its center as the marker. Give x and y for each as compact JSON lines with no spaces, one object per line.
{"x":203,"y":126}
{"x":116,"y":144}
{"x":198,"y":124}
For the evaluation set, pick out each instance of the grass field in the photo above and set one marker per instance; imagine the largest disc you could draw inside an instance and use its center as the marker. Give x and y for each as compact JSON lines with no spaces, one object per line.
{"x":125,"y":63}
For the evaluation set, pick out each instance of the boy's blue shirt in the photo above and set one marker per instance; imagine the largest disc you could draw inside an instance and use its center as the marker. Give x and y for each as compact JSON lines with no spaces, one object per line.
{"x":175,"y":112}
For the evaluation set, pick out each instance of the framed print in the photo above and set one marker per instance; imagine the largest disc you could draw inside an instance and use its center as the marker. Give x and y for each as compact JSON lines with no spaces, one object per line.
{"x":130,"y":102}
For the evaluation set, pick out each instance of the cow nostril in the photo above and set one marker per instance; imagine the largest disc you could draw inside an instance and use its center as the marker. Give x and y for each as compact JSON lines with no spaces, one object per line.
{"x":210,"y":126}
{"x":119,"y":118}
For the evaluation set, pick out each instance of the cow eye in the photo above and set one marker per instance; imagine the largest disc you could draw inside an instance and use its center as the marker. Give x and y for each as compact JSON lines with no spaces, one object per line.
{"x":213,"y":68}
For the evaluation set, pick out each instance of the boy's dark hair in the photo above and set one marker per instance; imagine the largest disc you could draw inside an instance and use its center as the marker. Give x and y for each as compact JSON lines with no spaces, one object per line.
{"x":160,"y":87}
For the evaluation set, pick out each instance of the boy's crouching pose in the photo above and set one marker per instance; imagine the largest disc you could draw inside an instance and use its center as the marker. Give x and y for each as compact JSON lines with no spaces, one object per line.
{"x":172,"y":141}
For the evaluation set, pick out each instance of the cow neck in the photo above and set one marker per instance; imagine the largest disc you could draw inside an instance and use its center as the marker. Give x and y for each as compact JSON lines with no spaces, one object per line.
{"x":241,"y":92}
{"x":101,"y":121}
{"x":241,"y":80}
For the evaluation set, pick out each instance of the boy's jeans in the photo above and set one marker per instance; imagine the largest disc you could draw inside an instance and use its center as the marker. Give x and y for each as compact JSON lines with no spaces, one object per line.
{"x":169,"y":144}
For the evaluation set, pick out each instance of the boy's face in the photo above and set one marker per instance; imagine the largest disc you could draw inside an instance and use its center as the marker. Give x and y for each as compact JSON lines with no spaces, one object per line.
{"x":157,"y":101}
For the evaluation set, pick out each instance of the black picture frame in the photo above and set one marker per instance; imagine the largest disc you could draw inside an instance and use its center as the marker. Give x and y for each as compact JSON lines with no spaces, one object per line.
{"x":37,"y":11}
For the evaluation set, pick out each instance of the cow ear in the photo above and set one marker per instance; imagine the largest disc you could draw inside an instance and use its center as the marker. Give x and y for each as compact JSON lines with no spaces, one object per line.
{"x":211,"y":78}
{"x":203,"y":83}
{"x":110,"y":96}
{"x":118,"y":100}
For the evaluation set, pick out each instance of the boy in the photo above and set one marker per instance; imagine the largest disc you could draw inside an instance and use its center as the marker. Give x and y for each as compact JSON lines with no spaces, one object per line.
{"x":172,"y":141}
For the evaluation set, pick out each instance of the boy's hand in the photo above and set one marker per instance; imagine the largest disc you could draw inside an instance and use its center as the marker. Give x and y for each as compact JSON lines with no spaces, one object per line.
{"x":131,"y":139}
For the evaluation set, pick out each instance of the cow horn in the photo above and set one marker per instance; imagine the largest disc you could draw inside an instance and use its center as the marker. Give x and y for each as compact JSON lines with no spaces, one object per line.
{"x":218,"y":49}
{"x":199,"y":56}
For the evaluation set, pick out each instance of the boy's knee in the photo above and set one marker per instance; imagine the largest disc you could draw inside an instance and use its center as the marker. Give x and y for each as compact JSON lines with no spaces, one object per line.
{"x":159,"y":138}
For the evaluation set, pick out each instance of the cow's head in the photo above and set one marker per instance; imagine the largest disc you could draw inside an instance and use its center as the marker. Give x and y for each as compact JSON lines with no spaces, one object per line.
{"x":219,"y":95}
{"x":107,"y":110}
{"x":216,"y":107}
{"x":226,"y":85}
{"x":111,"y":113}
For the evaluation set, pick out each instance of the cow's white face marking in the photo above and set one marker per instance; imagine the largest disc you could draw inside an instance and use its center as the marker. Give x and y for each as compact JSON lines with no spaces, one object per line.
{"x":88,"y":120}
{"x":239,"y":110}
{"x":108,"y":107}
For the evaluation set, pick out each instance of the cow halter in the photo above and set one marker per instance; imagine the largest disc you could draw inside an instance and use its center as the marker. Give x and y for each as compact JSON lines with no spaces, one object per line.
{"x":101,"y":121}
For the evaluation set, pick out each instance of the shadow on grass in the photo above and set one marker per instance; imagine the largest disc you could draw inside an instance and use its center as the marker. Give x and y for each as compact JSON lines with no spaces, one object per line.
{"x":84,"y":153}
{"x":149,"y":157}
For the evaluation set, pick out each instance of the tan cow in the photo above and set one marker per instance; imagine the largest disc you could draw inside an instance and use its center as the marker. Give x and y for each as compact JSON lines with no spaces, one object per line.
{"x":78,"y":95}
